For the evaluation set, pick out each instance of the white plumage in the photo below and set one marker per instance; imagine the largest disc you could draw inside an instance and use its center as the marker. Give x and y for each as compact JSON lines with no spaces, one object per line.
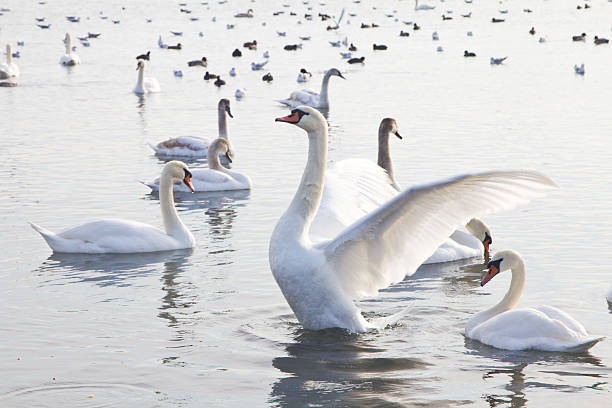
{"x":310,"y":98}
{"x":9,"y":69}
{"x":69,"y":58}
{"x":145,"y":85}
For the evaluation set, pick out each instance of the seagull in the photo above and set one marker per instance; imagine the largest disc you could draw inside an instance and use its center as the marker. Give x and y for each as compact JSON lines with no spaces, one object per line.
{"x":334,"y":43}
{"x":434,"y":36}
{"x":497,"y":61}
{"x":240,"y":93}
{"x":258,"y":66}
{"x":232,"y":72}
{"x":346,"y":55}
{"x":579,"y":69}
{"x":178,"y":73}
{"x":160,"y":43}
{"x":281,"y":33}
{"x":177,"y":33}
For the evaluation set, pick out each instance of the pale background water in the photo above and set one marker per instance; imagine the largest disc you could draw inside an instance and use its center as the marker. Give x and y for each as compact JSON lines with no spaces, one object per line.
{"x":209,"y":326}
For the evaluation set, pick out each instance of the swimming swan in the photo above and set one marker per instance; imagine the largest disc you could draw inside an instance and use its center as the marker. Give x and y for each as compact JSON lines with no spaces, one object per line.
{"x":9,"y":69}
{"x":540,"y":328}
{"x":70,"y":58}
{"x":311,"y":98}
{"x":194,"y":146}
{"x":124,"y":236}
{"x":320,"y":280}
{"x":215,"y":177}
{"x":145,"y":85}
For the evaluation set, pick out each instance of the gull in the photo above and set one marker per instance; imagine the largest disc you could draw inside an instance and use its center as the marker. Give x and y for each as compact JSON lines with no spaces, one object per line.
{"x":258,"y":66}
{"x":497,"y":61}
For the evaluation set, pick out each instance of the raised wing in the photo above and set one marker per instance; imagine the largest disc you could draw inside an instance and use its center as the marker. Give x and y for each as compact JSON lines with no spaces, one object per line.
{"x":392,"y":241}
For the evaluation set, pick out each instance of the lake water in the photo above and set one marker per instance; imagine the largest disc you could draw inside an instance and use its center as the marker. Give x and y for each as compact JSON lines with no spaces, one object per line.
{"x":209,"y":326}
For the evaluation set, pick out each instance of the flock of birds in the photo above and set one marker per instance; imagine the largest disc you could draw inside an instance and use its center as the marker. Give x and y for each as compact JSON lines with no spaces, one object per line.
{"x":350,"y":229}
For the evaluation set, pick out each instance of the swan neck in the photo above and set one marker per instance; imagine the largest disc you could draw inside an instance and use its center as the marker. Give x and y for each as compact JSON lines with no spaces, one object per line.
{"x":306,"y":201}
{"x":9,"y":55}
{"x":513,"y":294}
{"x":212,"y":157}
{"x":141,"y":75}
{"x":172,"y":223}
{"x":323,"y":95}
{"x":384,"y":157}
{"x":222,"y":123}
{"x":68,"y":45}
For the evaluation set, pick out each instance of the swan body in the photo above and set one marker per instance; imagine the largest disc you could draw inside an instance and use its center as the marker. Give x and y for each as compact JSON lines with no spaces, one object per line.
{"x":145,"y":85}
{"x":194,"y":146}
{"x":609,"y":295}
{"x":69,"y":58}
{"x":320,"y":279}
{"x":9,"y":69}
{"x":215,"y":177}
{"x":310,"y":98}
{"x":355,"y":187}
{"x":540,"y":328}
{"x":125,"y":236}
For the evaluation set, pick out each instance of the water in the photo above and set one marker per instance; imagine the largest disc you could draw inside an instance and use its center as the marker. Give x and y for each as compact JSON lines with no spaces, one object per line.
{"x":209,"y":326}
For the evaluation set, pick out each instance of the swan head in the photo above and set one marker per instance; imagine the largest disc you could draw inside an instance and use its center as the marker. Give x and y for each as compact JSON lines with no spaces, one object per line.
{"x":480,"y":230}
{"x":501,"y":261}
{"x":140,"y":65}
{"x":389,"y":125}
{"x":224,"y":104}
{"x":176,"y":169}
{"x":222,"y":146}
{"x":305,"y":117}
{"x":335,"y":72}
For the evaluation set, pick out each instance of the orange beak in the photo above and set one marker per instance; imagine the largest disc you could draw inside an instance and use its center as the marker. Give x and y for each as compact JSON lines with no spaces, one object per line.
{"x":486,"y":242}
{"x":490,"y":274}
{"x":293,"y":118}
{"x":187,"y":181}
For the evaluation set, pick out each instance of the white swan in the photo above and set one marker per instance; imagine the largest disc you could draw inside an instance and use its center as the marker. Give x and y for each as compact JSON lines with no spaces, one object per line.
{"x":9,"y":69}
{"x":145,"y":85}
{"x":311,"y":98}
{"x":69,"y":58}
{"x":418,"y":6}
{"x":609,"y":296}
{"x":355,"y":187}
{"x":124,"y":236}
{"x":215,"y":177}
{"x":539,"y":328}
{"x":320,"y":280}
{"x":194,"y":146}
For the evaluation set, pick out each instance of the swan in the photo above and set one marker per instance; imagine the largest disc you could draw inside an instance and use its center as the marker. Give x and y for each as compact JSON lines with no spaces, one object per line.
{"x":145,"y":85}
{"x":215,"y":177}
{"x":320,"y":280}
{"x":194,"y":146}
{"x":540,"y":328}
{"x":609,"y":295}
{"x":9,"y":69}
{"x":124,"y":236}
{"x":374,"y":188}
{"x":70,"y":58}
{"x":418,"y":6}
{"x":311,"y":98}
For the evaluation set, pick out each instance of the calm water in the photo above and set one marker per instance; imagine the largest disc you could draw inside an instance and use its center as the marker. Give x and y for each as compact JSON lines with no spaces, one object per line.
{"x":209,"y":326}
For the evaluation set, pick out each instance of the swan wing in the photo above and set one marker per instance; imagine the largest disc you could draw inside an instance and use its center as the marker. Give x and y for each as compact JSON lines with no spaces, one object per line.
{"x":392,"y":241}
{"x":352,"y":189}
{"x":182,"y":146}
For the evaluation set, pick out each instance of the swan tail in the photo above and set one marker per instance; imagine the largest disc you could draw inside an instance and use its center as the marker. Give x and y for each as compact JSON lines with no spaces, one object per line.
{"x":152,"y":146}
{"x":152,"y":186}
{"x":52,"y":239}
{"x":585,"y":345}
{"x":286,"y":102}
{"x":381,"y":323}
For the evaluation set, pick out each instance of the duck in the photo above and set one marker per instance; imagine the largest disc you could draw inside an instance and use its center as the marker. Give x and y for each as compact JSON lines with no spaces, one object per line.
{"x":194,"y":146}
{"x":321,"y":280}
{"x":304,"y":76}
{"x":472,"y":241}
{"x":598,"y":40}
{"x":467,"y":53}
{"x":215,"y":177}
{"x":267,"y":78}
{"x":175,"y":47}
{"x":208,"y":76}
{"x":380,"y":47}
{"x":248,"y":14}
{"x":352,"y":47}
{"x":203,"y":62}
{"x":579,"y":69}
{"x":144,"y":56}
{"x":9,"y":69}
{"x":237,"y":53}
{"x":126,"y":236}
{"x":418,"y":6}
{"x":255,"y":66}
{"x":240,"y":93}
{"x":404,"y":33}
{"x":311,"y":98}
{"x":292,"y":47}
{"x":219,"y":82}
{"x":251,"y":45}
{"x":69,"y":58}
{"x":416,"y":27}
{"x":543,"y":327}
{"x":532,"y":31}
{"x":145,"y":85}
{"x":356,"y":60}
{"x":497,"y":61}
{"x":444,"y":17}
{"x":497,"y":20}
{"x":581,"y":37}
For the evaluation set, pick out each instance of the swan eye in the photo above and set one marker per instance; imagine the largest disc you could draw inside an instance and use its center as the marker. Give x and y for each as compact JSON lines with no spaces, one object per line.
{"x":188,"y":174}
{"x":495,"y":263}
